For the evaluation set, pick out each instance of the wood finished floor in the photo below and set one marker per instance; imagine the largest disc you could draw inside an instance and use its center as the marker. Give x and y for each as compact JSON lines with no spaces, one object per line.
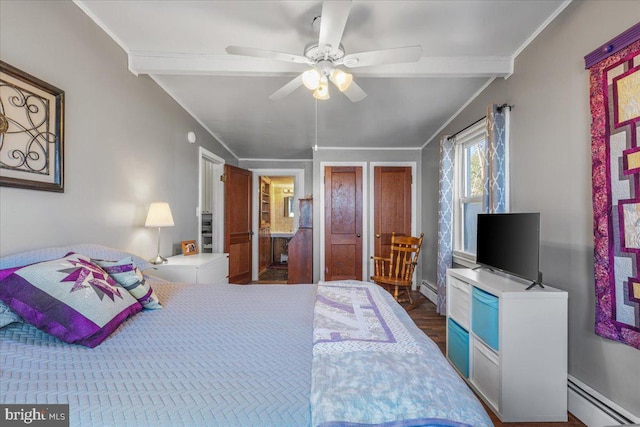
{"x":432,"y":324}
{"x":273,"y":275}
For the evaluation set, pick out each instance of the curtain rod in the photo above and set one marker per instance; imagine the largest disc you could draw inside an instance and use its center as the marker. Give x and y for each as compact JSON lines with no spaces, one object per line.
{"x":499,"y":108}
{"x":462,"y":130}
{"x":503,"y":106}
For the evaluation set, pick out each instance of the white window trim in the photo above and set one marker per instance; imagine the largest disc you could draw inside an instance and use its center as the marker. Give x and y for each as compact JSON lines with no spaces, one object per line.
{"x":463,"y":139}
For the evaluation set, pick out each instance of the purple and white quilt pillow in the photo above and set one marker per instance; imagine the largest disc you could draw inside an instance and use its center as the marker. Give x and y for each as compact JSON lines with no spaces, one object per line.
{"x":127,"y":274}
{"x":70,"y":298}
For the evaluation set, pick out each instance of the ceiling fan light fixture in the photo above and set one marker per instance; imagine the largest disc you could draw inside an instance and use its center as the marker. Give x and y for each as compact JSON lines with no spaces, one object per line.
{"x":322,"y":92}
{"x":311,"y":79}
{"x":341,"y":79}
{"x":327,"y":53}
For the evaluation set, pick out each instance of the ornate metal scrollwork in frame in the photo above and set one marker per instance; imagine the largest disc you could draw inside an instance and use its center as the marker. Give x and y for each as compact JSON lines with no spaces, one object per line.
{"x":31,"y":132}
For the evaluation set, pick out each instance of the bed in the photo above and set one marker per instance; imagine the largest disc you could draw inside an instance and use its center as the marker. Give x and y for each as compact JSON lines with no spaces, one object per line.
{"x":333,"y":354}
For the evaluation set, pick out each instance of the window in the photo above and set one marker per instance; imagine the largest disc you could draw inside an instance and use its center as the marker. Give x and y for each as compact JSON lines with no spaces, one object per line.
{"x":469,"y":182}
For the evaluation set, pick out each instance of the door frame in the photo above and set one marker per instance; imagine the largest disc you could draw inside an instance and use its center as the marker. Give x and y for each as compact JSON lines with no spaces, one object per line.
{"x":365,"y":218}
{"x":414,"y":207}
{"x":298,"y":193}
{"x":218,"y":210}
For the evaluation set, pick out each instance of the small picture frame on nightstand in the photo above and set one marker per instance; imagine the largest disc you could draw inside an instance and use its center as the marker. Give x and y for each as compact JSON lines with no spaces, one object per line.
{"x":189,"y":247}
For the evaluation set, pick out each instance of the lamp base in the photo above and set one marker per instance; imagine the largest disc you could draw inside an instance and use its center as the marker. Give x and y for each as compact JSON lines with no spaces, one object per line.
{"x":158,"y":260}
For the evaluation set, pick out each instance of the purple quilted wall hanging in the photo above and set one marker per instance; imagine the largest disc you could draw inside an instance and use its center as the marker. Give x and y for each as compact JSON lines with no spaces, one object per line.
{"x":615,"y":145}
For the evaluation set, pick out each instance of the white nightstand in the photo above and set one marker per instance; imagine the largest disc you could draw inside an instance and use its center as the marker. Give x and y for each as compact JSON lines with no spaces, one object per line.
{"x":198,"y":268}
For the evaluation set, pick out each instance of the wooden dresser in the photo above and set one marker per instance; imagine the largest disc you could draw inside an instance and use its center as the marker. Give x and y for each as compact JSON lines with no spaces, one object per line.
{"x":301,"y":246}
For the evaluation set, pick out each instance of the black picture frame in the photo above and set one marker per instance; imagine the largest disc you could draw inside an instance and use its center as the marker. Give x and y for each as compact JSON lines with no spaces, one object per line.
{"x":31,"y":132}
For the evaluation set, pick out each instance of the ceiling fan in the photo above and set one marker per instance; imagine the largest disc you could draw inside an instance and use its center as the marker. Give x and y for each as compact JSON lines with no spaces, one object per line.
{"x":325,"y":55}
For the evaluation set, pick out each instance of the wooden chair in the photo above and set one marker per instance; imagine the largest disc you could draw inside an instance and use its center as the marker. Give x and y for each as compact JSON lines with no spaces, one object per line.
{"x":396,"y":272}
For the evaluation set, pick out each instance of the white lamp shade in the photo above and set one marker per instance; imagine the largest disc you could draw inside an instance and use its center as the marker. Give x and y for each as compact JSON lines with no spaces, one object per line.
{"x":341,"y":79}
{"x":322,"y":92}
{"x":311,"y":79}
{"x":159,"y":215}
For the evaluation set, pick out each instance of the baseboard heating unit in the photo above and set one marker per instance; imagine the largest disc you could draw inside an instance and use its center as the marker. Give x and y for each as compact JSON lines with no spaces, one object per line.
{"x":429,"y":290}
{"x":594,"y":409}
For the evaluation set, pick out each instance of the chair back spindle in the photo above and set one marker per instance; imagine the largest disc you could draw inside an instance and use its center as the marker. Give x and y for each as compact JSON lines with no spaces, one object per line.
{"x":396,"y":271}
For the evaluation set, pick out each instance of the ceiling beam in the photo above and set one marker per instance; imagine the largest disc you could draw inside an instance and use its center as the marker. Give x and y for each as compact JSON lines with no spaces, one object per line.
{"x":229,"y":65}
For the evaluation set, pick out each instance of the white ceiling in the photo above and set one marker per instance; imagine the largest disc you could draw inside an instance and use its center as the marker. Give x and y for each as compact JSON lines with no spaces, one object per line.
{"x":181,"y":45}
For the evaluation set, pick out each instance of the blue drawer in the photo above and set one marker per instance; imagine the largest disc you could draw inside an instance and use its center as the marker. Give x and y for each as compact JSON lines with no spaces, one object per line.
{"x":484,"y":317}
{"x":458,"y":347}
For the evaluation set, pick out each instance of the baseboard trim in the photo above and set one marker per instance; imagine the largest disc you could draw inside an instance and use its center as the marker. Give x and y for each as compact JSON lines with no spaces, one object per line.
{"x":593,"y":409}
{"x":429,"y":291}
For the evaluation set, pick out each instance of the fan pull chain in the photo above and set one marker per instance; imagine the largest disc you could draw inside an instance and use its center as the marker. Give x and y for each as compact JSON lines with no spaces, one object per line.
{"x":315,"y":147}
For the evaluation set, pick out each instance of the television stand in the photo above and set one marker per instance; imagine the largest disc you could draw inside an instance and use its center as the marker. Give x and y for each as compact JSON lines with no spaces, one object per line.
{"x":535,"y":284}
{"x":510,"y":345}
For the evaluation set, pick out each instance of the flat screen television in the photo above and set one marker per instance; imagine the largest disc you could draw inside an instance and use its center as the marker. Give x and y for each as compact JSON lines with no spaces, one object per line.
{"x":510,"y":242}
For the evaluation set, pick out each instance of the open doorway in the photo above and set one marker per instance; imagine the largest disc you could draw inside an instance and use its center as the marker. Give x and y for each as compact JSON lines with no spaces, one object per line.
{"x":276,"y":227}
{"x":210,"y":206}
{"x":276,"y":208}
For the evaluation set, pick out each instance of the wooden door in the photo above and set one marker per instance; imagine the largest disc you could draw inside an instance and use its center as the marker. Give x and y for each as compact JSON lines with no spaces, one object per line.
{"x":237,"y":223}
{"x":343,"y":222}
{"x":391,"y":205}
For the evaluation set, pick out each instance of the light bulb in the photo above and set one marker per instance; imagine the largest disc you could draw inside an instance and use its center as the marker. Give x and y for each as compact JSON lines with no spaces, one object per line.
{"x":322,"y":92}
{"x":341,"y":79}
{"x":311,"y":79}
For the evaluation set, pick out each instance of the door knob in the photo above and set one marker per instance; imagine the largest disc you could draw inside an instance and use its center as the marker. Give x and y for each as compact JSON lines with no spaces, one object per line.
{"x":358,"y":235}
{"x":378,"y":236}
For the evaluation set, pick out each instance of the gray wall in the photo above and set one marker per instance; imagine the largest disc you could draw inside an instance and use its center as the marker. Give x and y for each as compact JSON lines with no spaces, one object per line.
{"x":430,"y":178}
{"x":125,"y":140}
{"x":551,"y":173}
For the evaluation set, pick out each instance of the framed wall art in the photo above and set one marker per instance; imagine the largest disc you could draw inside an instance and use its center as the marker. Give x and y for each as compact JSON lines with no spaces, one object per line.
{"x":31,"y":132}
{"x":614,"y":77}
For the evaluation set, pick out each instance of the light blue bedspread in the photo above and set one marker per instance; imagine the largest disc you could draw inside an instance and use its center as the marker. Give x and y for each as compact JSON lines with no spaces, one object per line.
{"x":373,"y":366}
{"x":215,"y":355}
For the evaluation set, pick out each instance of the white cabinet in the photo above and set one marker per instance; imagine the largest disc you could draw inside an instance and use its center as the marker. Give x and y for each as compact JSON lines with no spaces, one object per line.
{"x":514,"y":351}
{"x":459,"y":295}
{"x":198,"y":268}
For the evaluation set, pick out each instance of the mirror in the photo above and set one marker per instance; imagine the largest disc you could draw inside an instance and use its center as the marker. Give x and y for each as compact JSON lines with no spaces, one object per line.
{"x":288,"y":206}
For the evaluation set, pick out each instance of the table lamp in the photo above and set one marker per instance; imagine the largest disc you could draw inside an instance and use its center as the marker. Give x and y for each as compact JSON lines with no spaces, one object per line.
{"x":159,"y":216}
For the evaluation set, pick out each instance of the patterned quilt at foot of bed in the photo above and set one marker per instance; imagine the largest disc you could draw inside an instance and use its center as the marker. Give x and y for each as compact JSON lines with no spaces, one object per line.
{"x":373,"y":366}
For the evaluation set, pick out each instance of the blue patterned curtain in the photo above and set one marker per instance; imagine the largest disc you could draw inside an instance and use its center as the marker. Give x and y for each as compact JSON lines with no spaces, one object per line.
{"x":495,"y":197}
{"x":495,"y":182}
{"x":445,"y":220}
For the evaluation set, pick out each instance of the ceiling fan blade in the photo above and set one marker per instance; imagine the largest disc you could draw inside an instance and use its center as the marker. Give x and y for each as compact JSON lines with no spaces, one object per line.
{"x":268,"y":54}
{"x":287,"y":89}
{"x":332,"y":22}
{"x":385,"y":56}
{"x":355,"y":92}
